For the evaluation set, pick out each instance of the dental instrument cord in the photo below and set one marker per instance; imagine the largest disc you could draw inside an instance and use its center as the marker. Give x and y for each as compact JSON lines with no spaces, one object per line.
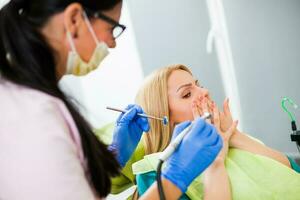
{"x":159,"y":183}
{"x":169,"y":151}
{"x":166,"y":154}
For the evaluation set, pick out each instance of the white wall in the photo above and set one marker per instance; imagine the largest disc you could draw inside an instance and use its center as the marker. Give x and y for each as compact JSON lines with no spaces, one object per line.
{"x":266,"y":46}
{"x":175,"y":31}
{"x":3,"y":2}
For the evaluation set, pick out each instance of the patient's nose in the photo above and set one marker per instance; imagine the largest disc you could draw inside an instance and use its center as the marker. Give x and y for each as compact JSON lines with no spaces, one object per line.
{"x":203,"y":92}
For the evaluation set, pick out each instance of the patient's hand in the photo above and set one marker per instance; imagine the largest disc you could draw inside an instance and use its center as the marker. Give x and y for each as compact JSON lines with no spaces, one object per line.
{"x":215,"y":176}
{"x":200,"y":106}
{"x":226,"y":135}
{"x":225,"y":116}
{"x":226,"y":122}
{"x":205,"y":104}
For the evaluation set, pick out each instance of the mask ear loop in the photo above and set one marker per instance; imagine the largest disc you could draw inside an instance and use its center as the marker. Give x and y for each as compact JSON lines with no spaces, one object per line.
{"x":70,"y":38}
{"x":88,"y":23}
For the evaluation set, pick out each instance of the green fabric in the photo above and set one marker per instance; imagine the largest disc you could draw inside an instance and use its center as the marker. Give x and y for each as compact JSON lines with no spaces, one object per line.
{"x":241,"y":169}
{"x":294,"y":165}
{"x":105,"y":133}
{"x":126,"y":179}
{"x":252,"y":177}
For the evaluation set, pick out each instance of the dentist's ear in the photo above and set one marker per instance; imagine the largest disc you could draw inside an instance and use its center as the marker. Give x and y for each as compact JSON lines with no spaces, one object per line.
{"x":73,"y":19}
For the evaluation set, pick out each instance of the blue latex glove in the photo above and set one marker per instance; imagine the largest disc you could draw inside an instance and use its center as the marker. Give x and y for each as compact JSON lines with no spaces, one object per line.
{"x":128,"y":132}
{"x":196,"y":152}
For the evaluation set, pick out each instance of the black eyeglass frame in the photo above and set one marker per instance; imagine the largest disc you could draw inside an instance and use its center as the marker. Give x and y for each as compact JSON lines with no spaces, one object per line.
{"x":108,"y":20}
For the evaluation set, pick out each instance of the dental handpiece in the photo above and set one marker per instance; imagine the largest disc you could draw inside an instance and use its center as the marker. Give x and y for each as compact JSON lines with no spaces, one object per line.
{"x":174,"y":144}
{"x":164,"y":120}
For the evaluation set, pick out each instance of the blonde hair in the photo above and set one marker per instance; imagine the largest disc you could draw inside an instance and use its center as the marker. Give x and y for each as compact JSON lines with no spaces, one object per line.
{"x":153,"y":98}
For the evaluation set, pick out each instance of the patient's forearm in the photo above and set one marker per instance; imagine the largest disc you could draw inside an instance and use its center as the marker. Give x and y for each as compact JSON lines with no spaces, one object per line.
{"x":216,"y":182}
{"x":171,"y":191}
{"x":242,"y":141}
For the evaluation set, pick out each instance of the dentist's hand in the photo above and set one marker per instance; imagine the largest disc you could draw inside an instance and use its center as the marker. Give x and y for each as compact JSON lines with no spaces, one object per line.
{"x":128,"y":132}
{"x":195,"y":153}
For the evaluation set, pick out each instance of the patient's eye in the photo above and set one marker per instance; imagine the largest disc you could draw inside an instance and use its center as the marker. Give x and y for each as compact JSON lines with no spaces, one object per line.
{"x":186,"y":95}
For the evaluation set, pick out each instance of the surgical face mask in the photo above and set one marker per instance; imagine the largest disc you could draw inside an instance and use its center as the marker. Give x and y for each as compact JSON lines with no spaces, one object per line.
{"x":78,"y":67}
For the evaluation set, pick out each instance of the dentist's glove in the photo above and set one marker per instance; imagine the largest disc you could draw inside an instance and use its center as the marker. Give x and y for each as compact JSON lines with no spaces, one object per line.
{"x":128,"y":132}
{"x":196,"y":152}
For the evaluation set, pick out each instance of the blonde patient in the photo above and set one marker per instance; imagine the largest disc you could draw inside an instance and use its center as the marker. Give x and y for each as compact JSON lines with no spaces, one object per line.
{"x":173,"y":92}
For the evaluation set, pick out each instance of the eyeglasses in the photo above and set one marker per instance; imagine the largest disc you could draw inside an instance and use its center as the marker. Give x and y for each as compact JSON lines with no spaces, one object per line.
{"x":117,"y":28}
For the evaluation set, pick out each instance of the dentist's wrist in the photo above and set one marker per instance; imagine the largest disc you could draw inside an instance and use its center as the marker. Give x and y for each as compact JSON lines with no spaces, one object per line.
{"x":115,"y":150}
